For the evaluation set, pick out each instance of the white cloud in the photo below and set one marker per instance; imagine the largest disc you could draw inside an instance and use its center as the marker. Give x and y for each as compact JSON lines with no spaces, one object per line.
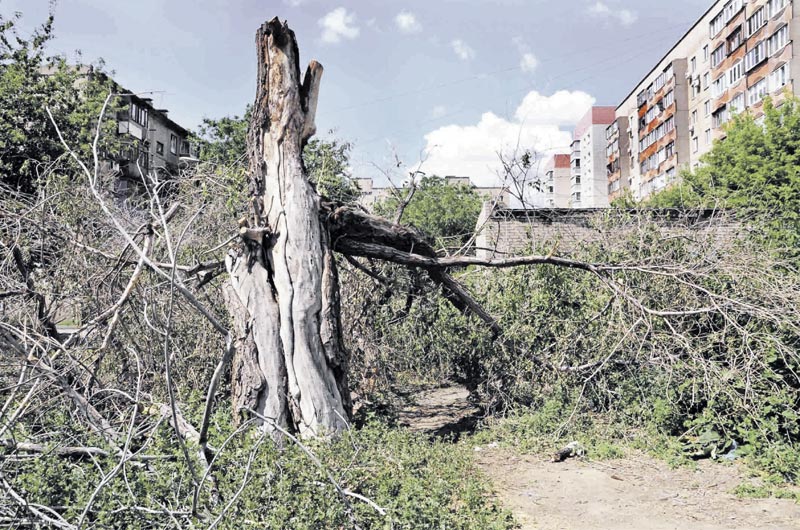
{"x":293,"y":3}
{"x":528,"y":63}
{"x":626,"y":17}
{"x":471,"y":150}
{"x":338,"y":25}
{"x":561,"y":108}
{"x":407,"y":22}
{"x":463,"y":50}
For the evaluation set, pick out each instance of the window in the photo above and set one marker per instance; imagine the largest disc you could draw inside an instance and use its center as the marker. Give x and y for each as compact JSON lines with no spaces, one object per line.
{"x":708,"y":136}
{"x":651,"y":115}
{"x":719,"y":86}
{"x":706,"y":78}
{"x":668,"y":100}
{"x":159,"y":148}
{"x":720,"y":116}
{"x":694,"y":117}
{"x":138,"y":114}
{"x":755,"y":22}
{"x":707,"y":107}
{"x":694,"y":64}
{"x":755,"y":56}
{"x":717,"y":56}
{"x":173,"y":144}
{"x":774,"y":7}
{"x":735,"y":40}
{"x":757,"y":92}
{"x":737,"y":103}
{"x":716,"y":25}
{"x":641,"y":98}
{"x":184,"y":148}
{"x":669,"y":150}
{"x":778,"y":40}
{"x":660,"y":81}
{"x":612,"y":130}
{"x":705,"y":53}
{"x":731,"y":8}
{"x":735,"y":73}
{"x":695,"y":144}
{"x":779,"y":78}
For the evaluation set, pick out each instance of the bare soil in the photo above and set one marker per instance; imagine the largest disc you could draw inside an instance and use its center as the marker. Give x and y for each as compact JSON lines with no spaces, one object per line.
{"x":634,"y":493}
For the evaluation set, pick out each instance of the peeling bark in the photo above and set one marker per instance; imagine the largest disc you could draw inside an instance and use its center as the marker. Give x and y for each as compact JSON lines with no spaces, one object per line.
{"x":290,"y":364}
{"x":291,"y":367}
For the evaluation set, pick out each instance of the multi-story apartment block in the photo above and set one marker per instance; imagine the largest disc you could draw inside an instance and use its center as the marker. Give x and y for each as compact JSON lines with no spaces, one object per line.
{"x":736,"y":54}
{"x":589,"y":180}
{"x":557,"y":181}
{"x":151,"y":142}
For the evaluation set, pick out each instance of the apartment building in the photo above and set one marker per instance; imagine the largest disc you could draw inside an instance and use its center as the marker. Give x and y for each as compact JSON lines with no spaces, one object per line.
{"x":557,"y":181}
{"x":737,"y":53}
{"x":151,"y":142}
{"x":588,"y":175}
{"x":752,"y":57}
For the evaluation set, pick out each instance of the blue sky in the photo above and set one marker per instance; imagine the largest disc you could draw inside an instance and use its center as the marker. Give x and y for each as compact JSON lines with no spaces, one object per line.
{"x":450,"y":82}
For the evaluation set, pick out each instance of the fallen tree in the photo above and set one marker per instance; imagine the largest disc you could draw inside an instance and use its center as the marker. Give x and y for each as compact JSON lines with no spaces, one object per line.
{"x":151,"y":288}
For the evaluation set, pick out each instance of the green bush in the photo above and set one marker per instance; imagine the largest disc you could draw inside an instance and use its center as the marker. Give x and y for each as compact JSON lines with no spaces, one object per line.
{"x":419,"y":483}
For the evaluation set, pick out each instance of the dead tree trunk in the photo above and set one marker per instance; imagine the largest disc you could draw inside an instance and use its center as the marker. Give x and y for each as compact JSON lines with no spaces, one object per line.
{"x":290,"y":365}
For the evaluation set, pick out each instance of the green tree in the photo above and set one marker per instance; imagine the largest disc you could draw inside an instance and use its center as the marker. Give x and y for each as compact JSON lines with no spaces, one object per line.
{"x":223,"y":141}
{"x":31,"y":83}
{"x":755,"y":169}
{"x":328,"y":166}
{"x":445,"y":212}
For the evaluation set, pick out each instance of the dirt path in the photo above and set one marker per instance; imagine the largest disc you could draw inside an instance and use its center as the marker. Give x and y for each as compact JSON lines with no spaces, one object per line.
{"x":635,"y":493}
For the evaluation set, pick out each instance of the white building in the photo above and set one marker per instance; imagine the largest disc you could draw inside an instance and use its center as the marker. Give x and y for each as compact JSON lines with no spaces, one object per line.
{"x":589,"y":179}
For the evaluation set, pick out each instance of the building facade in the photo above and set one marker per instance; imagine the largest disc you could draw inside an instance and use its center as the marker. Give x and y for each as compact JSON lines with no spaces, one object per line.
{"x":589,"y":180}
{"x":618,"y":167}
{"x":557,"y":181}
{"x":736,"y":54}
{"x":151,"y":144}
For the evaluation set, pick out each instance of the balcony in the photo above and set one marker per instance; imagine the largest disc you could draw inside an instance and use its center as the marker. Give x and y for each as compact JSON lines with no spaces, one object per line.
{"x":132,"y":128}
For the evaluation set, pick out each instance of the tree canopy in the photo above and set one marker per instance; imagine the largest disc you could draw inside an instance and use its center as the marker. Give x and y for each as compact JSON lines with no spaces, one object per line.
{"x":31,"y":83}
{"x":223,"y":141}
{"x":755,"y":168}
{"x":445,"y":212}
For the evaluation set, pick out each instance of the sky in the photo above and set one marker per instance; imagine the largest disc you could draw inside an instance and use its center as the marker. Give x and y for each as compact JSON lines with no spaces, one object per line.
{"x":439,"y":85}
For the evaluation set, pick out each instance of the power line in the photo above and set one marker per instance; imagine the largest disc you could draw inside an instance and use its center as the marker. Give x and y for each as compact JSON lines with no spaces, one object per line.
{"x":416,"y":127}
{"x":484,"y":75}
